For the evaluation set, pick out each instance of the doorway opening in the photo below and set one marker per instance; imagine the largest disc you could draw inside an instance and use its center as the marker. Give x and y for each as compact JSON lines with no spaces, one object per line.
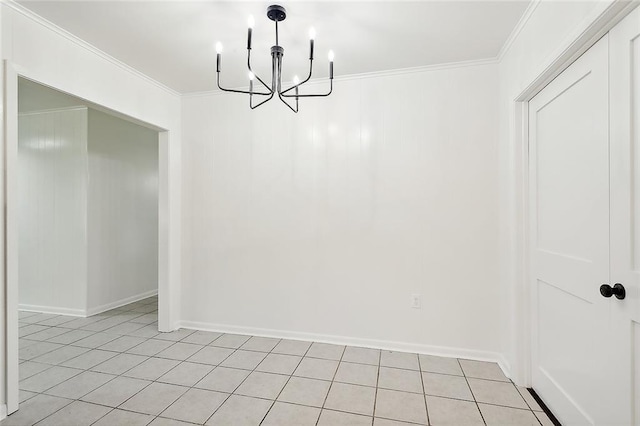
{"x":87,"y":230}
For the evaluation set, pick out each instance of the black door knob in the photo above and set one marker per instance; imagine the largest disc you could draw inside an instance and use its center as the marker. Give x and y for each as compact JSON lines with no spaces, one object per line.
{"x":617,"y":290}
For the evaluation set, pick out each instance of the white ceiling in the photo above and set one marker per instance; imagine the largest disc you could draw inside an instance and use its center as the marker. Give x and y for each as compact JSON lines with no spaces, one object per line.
{"x":173,"y":42}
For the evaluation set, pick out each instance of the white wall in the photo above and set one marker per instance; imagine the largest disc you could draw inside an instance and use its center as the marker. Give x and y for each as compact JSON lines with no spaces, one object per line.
{"x":122,"y":212}
{"x":326,"y":222}
{"x":550,"y":28}
{"x":52,"y":153}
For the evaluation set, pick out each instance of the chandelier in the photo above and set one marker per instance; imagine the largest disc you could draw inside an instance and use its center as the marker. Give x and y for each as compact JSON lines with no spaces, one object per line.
{"x":276,"y":14}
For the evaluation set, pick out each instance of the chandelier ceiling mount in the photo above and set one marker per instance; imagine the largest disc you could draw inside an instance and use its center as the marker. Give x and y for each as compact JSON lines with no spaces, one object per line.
{"x":276,"y":13}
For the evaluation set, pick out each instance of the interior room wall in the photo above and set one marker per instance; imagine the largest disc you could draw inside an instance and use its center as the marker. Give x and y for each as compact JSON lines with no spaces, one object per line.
{"x":52,"y":154}
{"x":548,"y":29}
{"x":324,"y":224}
{"x":122,"y":212}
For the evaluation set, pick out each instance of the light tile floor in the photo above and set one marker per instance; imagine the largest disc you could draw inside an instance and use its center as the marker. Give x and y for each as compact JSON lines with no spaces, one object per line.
{"x":116,"y":369}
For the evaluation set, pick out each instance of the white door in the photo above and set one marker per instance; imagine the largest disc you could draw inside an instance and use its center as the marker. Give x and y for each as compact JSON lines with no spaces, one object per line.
{"x":574,"y":369}
{"x":625,"y":200}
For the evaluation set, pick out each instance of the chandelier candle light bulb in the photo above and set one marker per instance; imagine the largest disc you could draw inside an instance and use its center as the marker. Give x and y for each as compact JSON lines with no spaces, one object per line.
{"x":218,"y":53}
{"x":251,"y":23}
{"x":276,"y":14}
{"x":331,"y":56}
{"x":312,"y":37}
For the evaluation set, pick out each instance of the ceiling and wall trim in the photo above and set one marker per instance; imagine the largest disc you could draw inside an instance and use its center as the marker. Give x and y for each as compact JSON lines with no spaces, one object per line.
{"x":385,"y":73}
{"x":374,"y":74}
{"x":91,"y":48}
{"x":517,"y":29}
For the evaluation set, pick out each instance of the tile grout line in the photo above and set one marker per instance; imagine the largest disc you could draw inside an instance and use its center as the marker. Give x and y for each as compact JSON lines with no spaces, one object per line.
{"x":375,"y":400}
{"x":424,"y":391}
{"x":471,"y":390}
{"x":335,"y":373}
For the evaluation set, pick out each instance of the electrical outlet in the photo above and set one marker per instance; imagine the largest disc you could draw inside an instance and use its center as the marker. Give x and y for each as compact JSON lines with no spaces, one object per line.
{"x":416,"y":301}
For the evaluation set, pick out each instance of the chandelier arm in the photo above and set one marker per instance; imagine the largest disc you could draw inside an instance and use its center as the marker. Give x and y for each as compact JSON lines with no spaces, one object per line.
{"x":251,"y":70}
{"x":246,"y":92}
{"x":264,"y":101}
{"x":287,"y":104}
{"x":320,"y":95}
{"x":302,"y":82}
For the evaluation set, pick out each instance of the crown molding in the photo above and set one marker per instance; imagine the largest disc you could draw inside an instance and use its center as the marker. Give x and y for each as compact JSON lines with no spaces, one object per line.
{"x":375,"y":74}
{"x":419,"y":69}
{"x":85,"y":45}
{"x":518,"y":28}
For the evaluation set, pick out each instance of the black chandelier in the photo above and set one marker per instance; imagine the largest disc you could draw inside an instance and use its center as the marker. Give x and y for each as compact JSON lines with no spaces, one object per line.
{"x":276,"y":14}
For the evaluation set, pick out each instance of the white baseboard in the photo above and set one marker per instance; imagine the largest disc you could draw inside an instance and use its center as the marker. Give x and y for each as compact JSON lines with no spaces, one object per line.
{"x":3,"y":412}
{"x":86,"y":312}
{"x":112,"y":305}
{"x":451,"y":352}
{"x":52,"y":310}
{"x":504,"y":365}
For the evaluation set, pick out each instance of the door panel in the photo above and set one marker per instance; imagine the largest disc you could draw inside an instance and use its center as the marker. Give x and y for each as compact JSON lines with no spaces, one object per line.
{"x":568,"y":273}
{"x":569,"y":178}
{"x":625,"y":204}
{"x":562,"y":346}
